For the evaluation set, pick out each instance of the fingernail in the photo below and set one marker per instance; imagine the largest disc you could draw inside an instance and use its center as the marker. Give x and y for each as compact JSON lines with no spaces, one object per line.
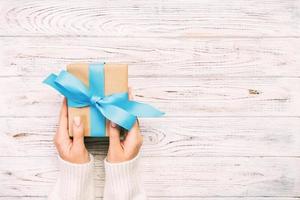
{"x":77,"y":121}
{"x":113,"y":125}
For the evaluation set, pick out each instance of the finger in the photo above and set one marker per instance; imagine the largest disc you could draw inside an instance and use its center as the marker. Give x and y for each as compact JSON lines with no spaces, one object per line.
{"x":135,"y":130}
{"x":78,"y":132}
{"x":134,"y":136}
{"x":62,"y":132}
{"x":130,"y":93}
{"x":114,"y":137}
{"x":63,"y":117}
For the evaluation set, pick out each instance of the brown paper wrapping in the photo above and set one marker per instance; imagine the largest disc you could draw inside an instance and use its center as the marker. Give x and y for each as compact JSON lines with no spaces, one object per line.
{"x":116,"y":80}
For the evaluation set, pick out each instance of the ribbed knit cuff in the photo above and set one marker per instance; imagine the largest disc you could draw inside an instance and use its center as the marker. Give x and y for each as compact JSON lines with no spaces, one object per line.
{"x":75,"y":181}
{"x":122,"y":180}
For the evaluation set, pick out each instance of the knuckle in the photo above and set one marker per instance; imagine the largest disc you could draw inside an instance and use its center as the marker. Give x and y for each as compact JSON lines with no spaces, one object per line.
{"x":78,"y":130}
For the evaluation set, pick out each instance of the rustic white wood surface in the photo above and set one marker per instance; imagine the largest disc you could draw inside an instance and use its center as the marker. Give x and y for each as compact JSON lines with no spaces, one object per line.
{"x":227,"y":73}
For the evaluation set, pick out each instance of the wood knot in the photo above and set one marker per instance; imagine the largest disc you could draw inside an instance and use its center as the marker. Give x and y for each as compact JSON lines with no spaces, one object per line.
{"x":19,"y":135}
{"x":253,"y":91}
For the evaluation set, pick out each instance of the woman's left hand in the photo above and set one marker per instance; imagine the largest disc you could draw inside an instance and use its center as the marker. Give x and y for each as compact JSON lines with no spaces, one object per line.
{"x":71,"y":150}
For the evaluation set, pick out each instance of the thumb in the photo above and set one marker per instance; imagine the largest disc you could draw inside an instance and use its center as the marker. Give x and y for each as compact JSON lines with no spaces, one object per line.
{"x":114,"y":137}
{"x":78,"y":134}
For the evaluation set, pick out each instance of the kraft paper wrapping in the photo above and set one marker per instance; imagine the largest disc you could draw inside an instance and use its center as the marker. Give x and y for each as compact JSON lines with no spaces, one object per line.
{"x":116,"y":80}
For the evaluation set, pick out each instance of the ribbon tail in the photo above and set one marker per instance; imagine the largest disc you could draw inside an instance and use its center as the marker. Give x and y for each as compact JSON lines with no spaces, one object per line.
{"x":140,"y":109}
{"x":135,"y":108}
{"x":117,"y":115}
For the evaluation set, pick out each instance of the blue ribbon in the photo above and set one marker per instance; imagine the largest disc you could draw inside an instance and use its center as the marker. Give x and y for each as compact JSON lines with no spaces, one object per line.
{"x":116,"y":107}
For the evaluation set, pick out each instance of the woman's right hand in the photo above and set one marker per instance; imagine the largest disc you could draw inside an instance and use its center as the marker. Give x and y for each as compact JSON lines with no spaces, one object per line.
{"x":127,"y":149}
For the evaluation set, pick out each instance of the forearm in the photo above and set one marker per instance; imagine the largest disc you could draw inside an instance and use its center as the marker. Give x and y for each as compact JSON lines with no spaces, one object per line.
{"x":122,"y":181}
{"x":75,"y":181}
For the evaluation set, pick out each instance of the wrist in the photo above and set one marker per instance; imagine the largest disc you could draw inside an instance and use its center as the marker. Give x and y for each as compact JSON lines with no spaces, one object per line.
{"x":64,"y":162}
{"x":75,"y":156}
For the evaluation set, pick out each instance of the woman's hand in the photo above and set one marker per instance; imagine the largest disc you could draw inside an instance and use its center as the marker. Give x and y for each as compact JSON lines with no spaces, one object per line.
{"x":127,"y":149}
{"x":71,"y":150}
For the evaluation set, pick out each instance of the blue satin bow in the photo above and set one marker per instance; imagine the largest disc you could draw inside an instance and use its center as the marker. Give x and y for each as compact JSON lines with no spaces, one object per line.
{"x":116,"y":107}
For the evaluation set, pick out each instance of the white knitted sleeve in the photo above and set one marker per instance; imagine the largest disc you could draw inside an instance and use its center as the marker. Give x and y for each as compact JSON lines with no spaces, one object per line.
{"x":122,"y":181}
{"x":75,"y":181}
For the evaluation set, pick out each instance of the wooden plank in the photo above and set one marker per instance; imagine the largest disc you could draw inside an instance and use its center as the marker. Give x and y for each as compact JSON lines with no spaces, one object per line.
{"x":196,"y":137}
{"x":178,"y":97}
{"x":173,"y":198}
{"x":169,"y":177}
{"x":191,"y":57}
{"x":188,"y":18}
{"x":200,"y":57}
{"x":224,"y":198}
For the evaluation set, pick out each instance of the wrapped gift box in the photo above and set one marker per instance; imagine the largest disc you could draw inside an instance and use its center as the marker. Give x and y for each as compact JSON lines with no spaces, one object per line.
{"x":115,"y":81}
{"x":97,"y":93}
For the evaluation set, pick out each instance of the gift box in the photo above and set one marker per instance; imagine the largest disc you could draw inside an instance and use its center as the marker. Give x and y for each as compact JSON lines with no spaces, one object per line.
{"x":97,"y":93}
{"x":115,"y":81}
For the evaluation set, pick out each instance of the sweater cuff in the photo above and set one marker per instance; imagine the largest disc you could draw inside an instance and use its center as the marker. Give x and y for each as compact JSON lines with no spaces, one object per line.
{"x":122,"y":180}
{"x":75,"y":181}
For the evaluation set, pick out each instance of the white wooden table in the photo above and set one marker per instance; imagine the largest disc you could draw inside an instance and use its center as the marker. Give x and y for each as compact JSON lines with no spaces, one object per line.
{"x":227,"y":73}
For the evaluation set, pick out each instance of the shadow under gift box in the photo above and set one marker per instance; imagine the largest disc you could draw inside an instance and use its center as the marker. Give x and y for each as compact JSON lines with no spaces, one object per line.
{"x":115,"y":81}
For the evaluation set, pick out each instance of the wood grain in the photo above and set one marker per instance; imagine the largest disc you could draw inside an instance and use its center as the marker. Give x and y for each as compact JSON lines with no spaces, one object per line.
{"x":193,"y":137}
{"x":180,"y":18}
{"x":225,"y":72}
{"x":239,"y":177}
{"x":27,"y":96}
{"x":155,"y":57}
{"x":172,"y":198}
